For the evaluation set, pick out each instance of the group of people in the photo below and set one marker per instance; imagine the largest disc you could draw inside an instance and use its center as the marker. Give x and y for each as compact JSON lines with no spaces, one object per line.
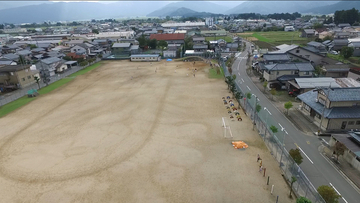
{"x":231,"y":109}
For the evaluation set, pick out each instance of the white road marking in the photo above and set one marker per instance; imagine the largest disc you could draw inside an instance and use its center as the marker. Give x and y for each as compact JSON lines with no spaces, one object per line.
{"x":248,"y":88}
{"x":242,"y":80}
{"x":239,"y":73}
{"x":306,"y":155}
{"x":338,"y":192}
{"x":325,"y":141}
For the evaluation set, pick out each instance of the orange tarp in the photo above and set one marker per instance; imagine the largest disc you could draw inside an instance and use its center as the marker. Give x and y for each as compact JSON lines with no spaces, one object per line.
{"x":239,"y":145}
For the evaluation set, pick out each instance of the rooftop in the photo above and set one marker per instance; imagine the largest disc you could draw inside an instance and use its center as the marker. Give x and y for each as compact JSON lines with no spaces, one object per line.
{"x":290,"y":66}
{"x":276,"y":57}
{"x":166,"y":37}
{"x":316,"y":82}
{"x":50,"y":60}
{"x":121,"y":45}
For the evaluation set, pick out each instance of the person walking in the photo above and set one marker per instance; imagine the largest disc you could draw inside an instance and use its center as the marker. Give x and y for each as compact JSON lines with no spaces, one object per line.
{"x":258,"y":157}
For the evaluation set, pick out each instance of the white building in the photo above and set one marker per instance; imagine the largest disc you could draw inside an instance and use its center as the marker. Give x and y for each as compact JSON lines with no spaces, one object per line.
{"x":209,"y":22}
{"x":186,"y":24}
{"x":145,"y":57}
{"x":289,"y":28}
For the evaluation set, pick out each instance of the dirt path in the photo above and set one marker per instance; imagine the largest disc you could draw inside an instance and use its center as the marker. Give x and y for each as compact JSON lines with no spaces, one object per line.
{"x":123,"y":133}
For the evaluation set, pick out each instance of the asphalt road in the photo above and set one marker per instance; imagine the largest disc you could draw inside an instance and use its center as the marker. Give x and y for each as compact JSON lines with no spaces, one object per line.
{"x":318,"y":170}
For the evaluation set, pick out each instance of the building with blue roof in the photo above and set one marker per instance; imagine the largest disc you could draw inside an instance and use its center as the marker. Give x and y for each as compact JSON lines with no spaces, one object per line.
{"x":337,"y":109}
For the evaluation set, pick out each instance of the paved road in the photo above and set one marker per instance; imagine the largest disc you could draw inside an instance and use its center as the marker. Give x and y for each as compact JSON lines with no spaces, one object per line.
{"x":315,"y":166}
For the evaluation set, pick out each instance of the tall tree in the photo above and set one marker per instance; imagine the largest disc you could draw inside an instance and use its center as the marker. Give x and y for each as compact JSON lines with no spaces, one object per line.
{"x":303,"y":200}
{"x":339,"y":149}
{"x":142,"y":41}
{"x":153,"y":43}
{"x":346,"y":52}
{"x":296,"y":155}
{"x":328,"y":194}
{"x":293,"y":180}
{"x":162,"y":44}
{"x":288,"y":105}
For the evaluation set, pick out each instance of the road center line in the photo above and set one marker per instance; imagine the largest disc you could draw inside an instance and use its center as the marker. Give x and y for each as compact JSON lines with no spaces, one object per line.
{"x":248,"y":88}
{"x":239,"y":73}
{"x":304,"y":154}
{"x":242,"y":80}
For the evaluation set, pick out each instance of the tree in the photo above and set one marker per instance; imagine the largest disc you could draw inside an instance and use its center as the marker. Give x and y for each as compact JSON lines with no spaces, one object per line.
{"x":37,"y":80}
{"x":296,"y":155}
{"x":318,"y":70}
{"x":152,"y":43}
{"x":347,"y":52}
{"x":258,"y":108}
{"x":96,"y":31}
{"x":273,"y":92}
{"x":339,"y":149}
{"x":288,"y":105}
{"x":21,"y":60}
{"x":293,"y":180}
{"x":234,"y":77}
{"x":328,"y":194}
{"x":100,"y":56}
{"x":162,"y":44}
{"x":265,"y":85}
{"x":238,"y":96}
{"x":32,"y":46}
{"x":273,"y":129}
{"x":142,"y":41}
{"x":67,"y":58}
{"x":318,"y":40}
{"x":248,"y":95}
{"x":84,"y":63}
{"x":303,"y":200}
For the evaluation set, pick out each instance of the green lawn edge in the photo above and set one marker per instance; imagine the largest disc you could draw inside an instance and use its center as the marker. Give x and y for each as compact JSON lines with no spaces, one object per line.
{"x":213,"y":73}
{"x":12,"y":106}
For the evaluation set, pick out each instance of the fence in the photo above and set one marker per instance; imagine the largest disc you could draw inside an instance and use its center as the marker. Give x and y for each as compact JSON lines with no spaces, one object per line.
{"x":274,"y":141}
{"x":17,"y":94}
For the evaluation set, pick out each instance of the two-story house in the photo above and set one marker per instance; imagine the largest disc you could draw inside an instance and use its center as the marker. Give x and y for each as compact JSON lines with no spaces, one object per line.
{"x":283,"y":72}
{"x":308,"y":33}
{"x":49,"y":65}
{"x":121,"y":49}
{"x":335,"y":109}
{"x":198,"y":40}
{"x":16,"y":76}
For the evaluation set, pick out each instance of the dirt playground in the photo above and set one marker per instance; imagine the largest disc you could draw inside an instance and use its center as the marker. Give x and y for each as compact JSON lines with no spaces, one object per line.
{"x":134,"y":132}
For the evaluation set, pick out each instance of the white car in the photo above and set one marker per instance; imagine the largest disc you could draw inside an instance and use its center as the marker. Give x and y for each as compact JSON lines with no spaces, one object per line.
{"x":334,"y":52}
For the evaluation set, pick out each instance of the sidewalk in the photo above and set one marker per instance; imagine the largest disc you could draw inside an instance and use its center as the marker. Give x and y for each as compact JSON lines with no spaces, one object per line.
{"x":343,"y":166}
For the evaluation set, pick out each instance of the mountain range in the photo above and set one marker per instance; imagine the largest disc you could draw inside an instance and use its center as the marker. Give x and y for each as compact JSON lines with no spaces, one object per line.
{"x":29,"y":12}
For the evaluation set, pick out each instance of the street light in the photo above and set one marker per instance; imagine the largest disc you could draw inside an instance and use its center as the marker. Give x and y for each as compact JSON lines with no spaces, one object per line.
{"x":256,"y":100}
{"x":267,"y":115}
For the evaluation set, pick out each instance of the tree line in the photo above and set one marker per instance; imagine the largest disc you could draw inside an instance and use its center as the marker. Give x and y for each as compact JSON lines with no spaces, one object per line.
{"x":351,"y":16}
{"x":276,"y":16}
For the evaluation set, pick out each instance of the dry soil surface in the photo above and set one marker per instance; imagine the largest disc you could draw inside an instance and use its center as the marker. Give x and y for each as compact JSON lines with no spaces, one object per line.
{"x":125,"y":133}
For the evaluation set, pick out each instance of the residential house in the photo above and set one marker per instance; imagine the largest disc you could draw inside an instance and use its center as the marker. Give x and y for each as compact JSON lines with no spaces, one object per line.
{"x":200,"y":47}
{"x":72,"y":43}
{"x":283,"y":72}
{"x":335,"y":70}
{"x":121,"y":49}
{"x":232,"y":46}
{"x":76,"y":56}
{"x":324,"y":34}
{"x":343,"y":25}
{"x":316,"y":47}
{"x":334,"y":109}
{"x":351,"y":140}
{"x":354,"y":73}
{"x":275,"y":58}
{"x":356,"y":47}
{"x":177,"y":38}
{"x":16,"y":76}
{"x":337,"y":44}
{"x":302,"y":85}
{"x":49,"y":65}
{"x":134,"y":49}
{"x":80,"y":49}
{"x":7,"y":49}
{"x":342,"y":35}
{"x":199,"y":40}
{"x":308,"y":33}
{"x":211,"y":33}
{"x":13,"y":57}
{"x":5,"y":62}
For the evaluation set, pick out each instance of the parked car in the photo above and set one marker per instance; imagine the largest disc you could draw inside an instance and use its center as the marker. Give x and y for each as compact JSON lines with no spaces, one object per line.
{"x":294,"y":92}
{"x":334,"y":52}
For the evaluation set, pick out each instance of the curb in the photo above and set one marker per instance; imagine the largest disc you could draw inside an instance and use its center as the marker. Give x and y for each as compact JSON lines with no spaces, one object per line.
{"x":323,"y":154}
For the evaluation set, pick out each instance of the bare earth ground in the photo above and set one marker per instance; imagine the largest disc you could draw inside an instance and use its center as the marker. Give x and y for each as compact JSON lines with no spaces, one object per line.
{"x":156,"y":137}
